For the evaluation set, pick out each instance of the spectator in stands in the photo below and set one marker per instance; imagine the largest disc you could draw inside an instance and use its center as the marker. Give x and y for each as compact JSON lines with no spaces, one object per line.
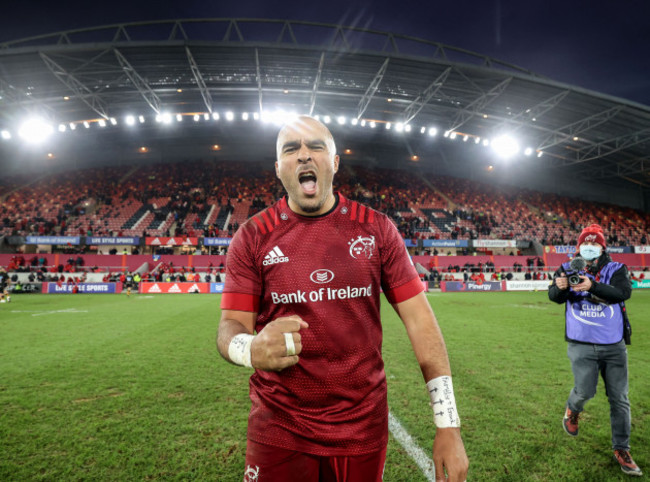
{"x":596,"y":332}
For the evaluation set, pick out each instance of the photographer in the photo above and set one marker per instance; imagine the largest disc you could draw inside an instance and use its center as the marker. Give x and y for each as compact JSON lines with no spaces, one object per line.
{"x":594,"y":289}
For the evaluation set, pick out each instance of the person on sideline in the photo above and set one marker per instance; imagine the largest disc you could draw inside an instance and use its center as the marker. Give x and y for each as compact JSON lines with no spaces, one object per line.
{"x":305,"y":276}
{"x":594,"y":289}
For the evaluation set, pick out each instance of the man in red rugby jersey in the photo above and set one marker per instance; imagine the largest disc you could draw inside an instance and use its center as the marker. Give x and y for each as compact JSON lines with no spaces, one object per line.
{"x":301,"y":306}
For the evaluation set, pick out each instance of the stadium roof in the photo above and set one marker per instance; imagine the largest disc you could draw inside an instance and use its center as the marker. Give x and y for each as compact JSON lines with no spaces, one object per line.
{"x":205,"y":66}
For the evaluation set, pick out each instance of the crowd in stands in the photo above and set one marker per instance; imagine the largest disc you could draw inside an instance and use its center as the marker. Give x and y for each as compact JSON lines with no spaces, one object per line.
{"x":212,"y":199}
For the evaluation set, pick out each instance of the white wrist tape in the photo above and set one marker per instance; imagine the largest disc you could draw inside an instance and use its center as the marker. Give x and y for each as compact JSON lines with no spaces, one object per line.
{"x":239,"y":350}
{"x":445,"y":413}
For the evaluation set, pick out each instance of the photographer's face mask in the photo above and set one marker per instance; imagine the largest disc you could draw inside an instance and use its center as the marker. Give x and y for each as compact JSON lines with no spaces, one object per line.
{"x":590,"y":252}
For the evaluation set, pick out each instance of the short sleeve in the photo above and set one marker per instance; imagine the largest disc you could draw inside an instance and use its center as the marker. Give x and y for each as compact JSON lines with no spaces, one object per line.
{"x":241,"y":290}
{"x":399,"y":278}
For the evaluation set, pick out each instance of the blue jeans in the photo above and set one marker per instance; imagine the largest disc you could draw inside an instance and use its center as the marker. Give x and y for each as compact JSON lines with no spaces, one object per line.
{"x":587,"y":361}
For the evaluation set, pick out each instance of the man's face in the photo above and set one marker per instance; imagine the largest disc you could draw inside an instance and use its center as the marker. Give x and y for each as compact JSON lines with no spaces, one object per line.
{"x":306,"y":166}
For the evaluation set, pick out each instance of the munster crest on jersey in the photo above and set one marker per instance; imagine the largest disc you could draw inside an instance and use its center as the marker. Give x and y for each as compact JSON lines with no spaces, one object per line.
{"x":362,"y":247}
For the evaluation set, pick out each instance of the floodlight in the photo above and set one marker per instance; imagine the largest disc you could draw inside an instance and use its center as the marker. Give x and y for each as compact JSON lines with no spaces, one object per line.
{"x":407,"y":128}
{"x":141,"y":119}
{"x":35,"y":130}
{"x":113,"y":121}
{"x":505,"y":146}
{"x":230,"y":116}
{"x":327,"y":119}
{"x":215,"y":116}
{"x":102,"y":122}
{"x":388,"y":126}
{"x":130,"y":120}
{"x":540,"y":153}
{"x":73,"y":126}
{"x":477,"y":140}
{"x":447,"y":133}
{"x":179,"y":118}
{"x":433,"y":131}
{"x":423,"y":130}
{"x":465,"y":138}
{"x":6,"y":135}
{"x":528,"y":151}
{"x":244,"y":116}
{"x":354,"y":121}
{"x":341,"y":120}
{"x":62,"y":128}
{"x":86,"y":124}
{"x":486,"y":142}
{"x":452,"y":135}
{"x":196,"y":117}
{"x":399,"y":127}
{"x":373,"y":124}
{"x":256,"y":115}
{"x":206,"y":116}
{"x":363,"y":122}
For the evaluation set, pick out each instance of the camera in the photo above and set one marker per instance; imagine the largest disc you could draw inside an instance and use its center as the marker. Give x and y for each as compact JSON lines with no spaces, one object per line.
{"x":576,"y":267}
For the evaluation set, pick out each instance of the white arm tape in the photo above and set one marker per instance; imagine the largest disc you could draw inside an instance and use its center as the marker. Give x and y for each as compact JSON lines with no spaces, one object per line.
{"x":445,"y":413}
{"x":239,"y":350}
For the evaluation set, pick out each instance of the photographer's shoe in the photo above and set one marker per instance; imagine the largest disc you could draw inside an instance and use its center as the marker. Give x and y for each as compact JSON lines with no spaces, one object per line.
{"x":628,"y":466}
{"x":570,"y":422}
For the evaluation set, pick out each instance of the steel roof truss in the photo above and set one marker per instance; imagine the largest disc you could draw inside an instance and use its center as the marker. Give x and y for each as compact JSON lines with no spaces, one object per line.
{"x":477,"y":105}
{"x":316,"y":83}
{"x":81,"y":91}
{"x":423,"y":99}
{"x":569,"y":131}
{"x":143,"y":87}
{"x":372,"y":88}
{"x":200,"y":82}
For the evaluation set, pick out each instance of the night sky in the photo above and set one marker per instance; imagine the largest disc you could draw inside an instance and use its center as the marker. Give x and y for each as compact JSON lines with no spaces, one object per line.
{"x":599,"y":45}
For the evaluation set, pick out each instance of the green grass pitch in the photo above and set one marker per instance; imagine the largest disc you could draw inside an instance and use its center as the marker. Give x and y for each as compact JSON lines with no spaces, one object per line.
{"x":102,"y":387}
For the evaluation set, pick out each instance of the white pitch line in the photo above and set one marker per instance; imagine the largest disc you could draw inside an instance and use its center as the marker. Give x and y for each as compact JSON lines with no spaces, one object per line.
{"x":413,"y":449}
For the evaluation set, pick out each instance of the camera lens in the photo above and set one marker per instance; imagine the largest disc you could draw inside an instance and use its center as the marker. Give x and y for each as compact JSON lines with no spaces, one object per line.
{"x":574,"y":279}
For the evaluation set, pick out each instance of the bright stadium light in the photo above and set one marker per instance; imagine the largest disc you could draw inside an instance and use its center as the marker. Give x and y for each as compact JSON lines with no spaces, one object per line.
{"x":505,"y":146}
{"x":215,"y":116}
{"x":354,"y":121}
{"x":327,"y":119}
{"x":373,"y":124}
{"x":196,"y":117}
{"x":452,"y":135}
{"x":35,"y":131}
{"x":141,"y":119}
{"x":388,"y":126}
{"x":399,"y":127}
{"x":528,"y":151}
{"x":540,"y":153}
{"x":87,"y":124}
{"x":6,"y":135}
{"x":102,"y":122}
{"x":179,"y":118}
{"x":363,"y":122}
{"x":407,"y":128}
{"x":256,"y":116}
{"x":206,"y":116}
{"x":73,"y":126}
{"x":244,"y":116}
{"x":130,"y":120}
{"x":230,"y":116}
{"x":62,"y":127}
{"x":486,"y":142}
{"x":113,"y":121}
{"x":341,"y":120}
{"x":433,"y":131}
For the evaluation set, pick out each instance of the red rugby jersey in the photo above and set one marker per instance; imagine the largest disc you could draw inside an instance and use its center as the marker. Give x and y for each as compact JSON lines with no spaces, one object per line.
{"x":328,"y":270}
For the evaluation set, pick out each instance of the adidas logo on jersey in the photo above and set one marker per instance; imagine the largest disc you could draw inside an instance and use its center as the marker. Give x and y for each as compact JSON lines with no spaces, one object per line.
{"x":275,"y":256}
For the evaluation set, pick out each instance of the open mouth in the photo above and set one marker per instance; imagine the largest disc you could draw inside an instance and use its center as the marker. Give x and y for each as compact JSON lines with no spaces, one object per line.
{"x":307,"y":182}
